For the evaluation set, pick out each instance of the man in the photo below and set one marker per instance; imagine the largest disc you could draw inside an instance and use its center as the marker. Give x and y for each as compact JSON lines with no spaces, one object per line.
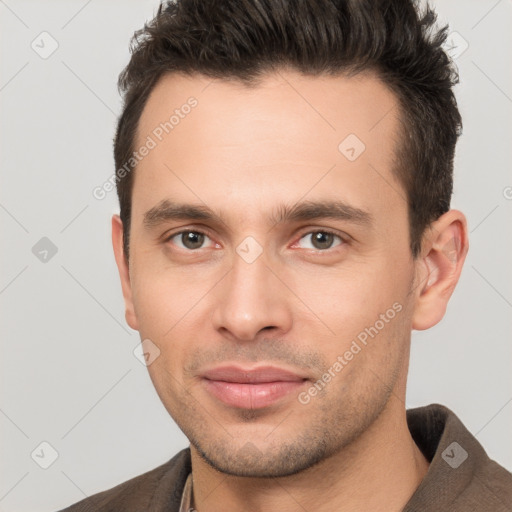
{"x":284,"y":171}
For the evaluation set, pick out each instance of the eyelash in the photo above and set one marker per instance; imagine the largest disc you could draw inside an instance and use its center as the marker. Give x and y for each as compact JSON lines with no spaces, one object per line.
{"x":343,"y":239}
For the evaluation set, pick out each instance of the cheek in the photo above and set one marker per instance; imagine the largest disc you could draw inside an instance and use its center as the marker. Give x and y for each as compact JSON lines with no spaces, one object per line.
{"x":349,"y":292}
{"x":163,"y":296}
{"x":361,"y":301}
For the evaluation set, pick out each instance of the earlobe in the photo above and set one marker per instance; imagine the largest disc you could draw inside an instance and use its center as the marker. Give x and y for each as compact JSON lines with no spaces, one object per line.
{"x":438,"y":269}
{"x":124,"y":271}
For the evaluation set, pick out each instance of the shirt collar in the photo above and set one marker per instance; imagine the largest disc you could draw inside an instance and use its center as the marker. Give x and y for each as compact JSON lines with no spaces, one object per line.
{"x":186,"y":497}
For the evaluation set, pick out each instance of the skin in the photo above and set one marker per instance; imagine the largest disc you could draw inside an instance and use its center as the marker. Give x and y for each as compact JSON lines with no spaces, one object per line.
{"x":245,"y":154}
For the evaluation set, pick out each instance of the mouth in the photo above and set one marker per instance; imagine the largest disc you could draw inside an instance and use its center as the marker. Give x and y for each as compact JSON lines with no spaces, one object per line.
{"x":253,"y":388}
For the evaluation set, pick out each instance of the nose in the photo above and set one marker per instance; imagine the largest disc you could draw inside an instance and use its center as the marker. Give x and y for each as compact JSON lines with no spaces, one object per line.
{"x":250,"y":300}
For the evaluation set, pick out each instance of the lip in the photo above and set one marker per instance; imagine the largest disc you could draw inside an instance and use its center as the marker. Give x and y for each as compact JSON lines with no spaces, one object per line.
{"x":251,"y":388}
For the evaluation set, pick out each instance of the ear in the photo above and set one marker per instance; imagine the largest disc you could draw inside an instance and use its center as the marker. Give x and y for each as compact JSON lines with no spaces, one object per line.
{"x":124,"y":271}
{"x":444,"y":248}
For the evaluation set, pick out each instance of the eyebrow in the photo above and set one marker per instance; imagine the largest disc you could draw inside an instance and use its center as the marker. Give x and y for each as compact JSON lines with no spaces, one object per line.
{"x":167,"y":210}
{"x":314,"y":210}
{"x":304,"y":211}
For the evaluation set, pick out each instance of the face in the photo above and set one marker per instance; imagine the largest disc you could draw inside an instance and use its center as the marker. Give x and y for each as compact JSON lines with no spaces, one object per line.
{"x":269,"y":234}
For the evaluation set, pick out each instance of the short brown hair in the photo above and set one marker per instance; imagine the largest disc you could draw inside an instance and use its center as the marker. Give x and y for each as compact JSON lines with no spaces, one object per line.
{"x":245,"y":39}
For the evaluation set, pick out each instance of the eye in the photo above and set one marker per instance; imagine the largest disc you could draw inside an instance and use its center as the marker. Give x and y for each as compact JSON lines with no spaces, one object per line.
{"x":190,"y":240}
{"x":319,"y":240}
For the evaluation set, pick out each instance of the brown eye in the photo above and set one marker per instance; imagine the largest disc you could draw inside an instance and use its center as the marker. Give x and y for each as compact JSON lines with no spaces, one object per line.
{"x":189,"y":239}
{"x":192,"y":240}
{"x":320,"y":240}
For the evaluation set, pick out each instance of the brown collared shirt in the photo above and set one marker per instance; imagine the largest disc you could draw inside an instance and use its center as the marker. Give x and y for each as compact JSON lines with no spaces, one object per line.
{"x":461,"y":477}
{"x":186,"y":497}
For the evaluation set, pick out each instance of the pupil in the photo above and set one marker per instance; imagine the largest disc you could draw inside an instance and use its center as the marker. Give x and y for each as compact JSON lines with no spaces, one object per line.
{"x":192,"y":240}
{"x":322,"y":240}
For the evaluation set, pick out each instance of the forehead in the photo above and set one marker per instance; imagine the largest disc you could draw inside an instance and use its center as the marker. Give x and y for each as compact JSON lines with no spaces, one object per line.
{"x":244,"y":149}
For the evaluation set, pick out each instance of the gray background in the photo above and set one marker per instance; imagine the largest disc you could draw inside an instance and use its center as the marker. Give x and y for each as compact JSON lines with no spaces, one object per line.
{"x":69,"y":375}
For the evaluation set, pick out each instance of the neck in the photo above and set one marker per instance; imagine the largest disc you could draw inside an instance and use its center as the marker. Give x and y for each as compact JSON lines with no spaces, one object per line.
{"x":378,"y":471}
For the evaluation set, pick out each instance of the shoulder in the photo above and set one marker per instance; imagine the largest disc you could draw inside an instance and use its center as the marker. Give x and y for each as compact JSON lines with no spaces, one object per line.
{"x":461,"y":475}
{"x":490,"y":484}
{"x":158,"y":489}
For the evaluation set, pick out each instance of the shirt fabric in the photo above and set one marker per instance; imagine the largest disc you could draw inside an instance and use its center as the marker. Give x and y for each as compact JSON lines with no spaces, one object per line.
{"x":186,"y":497}
{"x":461,"y":477}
